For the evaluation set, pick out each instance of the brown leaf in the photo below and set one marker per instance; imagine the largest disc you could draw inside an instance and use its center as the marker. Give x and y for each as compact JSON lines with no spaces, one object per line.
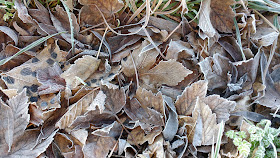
{"x":186,"y":102}
{"x":138,"y":136}
{"x":177,"y":49}
{"x":15,"y":118}
{"x":148,"y":118}
{"x":97,"y":146}
{"x":89,"y":14}
{"x":215,"y":70}
{"x":220,"y":106}
{"x":9,"y":51}
{"x":221,"y":15}
{"x":22,"y":12}
{"x":82,"y":68}
{"x":168,"y":72}
{"x":148,"y":99}
{"x":27,"y":145}
{"x":142,"y":58}
{"x":11,"y":33}
{"x":204,"y":19}
{"x":36,"y":115}
{"x":50,"y":80}
{"x":76,"y":110}
{"x":206,"y":124}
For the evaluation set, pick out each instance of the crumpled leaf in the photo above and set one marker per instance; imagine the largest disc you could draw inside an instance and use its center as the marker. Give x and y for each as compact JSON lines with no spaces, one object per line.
{"x":168,"y":72}
{"x":107,"y":7}
{"x":271,"y":97}
{"x":215,"y":70}
{"x":172,"y":123}
{"x":186,"y":102}
{"x":265,"y":36}
{"x":82,"y":68}
{"x":222,"y":15}
{"x":50,"y":80}
{"x":148,"y":118}
{"x":11,"y":33}
{"x":15,"y":118}
{"x":177,"y":49}
{"x":99,"y":101}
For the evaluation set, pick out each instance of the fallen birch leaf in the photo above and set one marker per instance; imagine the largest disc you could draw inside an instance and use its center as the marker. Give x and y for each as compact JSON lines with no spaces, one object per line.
{"x":168,"y":72}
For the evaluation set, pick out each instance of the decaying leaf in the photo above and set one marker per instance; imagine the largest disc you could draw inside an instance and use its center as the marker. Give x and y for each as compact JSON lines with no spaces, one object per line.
{"x":50,"y":80}
{"x":138,"y":136}
{"x":221,"y":21}
{"x":82,"y":68}
{"x":216,"y":70}
{"x":206,"y":125}
{"x":204,"y":21}
{"x":186,"y":102}
{"x":141,"y":58}
{"x":220,"y":106}
{"x":168,"y":72}
{"x":15,"y":118}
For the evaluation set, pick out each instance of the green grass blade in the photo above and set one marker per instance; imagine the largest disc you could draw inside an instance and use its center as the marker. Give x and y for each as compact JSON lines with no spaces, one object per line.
{"x":71,"y":24}
{"x":219,"y":139}
{"x":30,"y":46}
{"x":238,"y":36}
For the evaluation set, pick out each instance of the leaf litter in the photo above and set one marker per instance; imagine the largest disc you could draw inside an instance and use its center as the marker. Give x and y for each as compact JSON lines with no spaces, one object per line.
{"x":114,"y":78}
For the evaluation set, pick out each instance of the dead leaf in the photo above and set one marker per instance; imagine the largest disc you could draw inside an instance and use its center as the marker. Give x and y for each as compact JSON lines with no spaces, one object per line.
{"x":82,"y":68}
{"x":204,"y":19}
{"x":142,"y":58}
{"x":220,"y":106}
{"x":186,"y":102}
{"x":138,"y":136}
{"x":50,"y":80}
{"x":206,"y":124}
{"x":177,"y":49}
{"x":15,"y":118}
{"x":221,"y":21}
{"x":36,"y":115}
{"x":216,"y":70}
{"x":168,"y":72}
{"x":265,"y":36}
{"x":11,"y":33}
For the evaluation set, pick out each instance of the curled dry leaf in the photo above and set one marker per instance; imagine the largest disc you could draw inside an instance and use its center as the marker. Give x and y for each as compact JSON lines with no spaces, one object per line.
{"x":221,"y":21}
{"x":148,"y":99}
{"x":204,"y":19}
{"x":177,"y":49}
{"x":50,"y":80}
{"x":82,"y":68}
{"x":168,"y":72}
{"x":138,"y":136}
{"x":215,"y":70}
{"x":186,"y":102}
{"x":11,"y":33}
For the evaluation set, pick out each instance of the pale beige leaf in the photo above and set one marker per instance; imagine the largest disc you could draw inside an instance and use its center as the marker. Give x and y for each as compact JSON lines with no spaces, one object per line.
{"x":265,"y":36}
{"x":143,"y":60}
{"x":99,"y":101}
{"x":206,"y":125}
{"x":220,"y":106}
{"x":75,"y":110}
{"x":82,"y":68}
{"x":204,"y":19}
{"x":168,"y":72}
{"x":97,"y":146}
{"x":186,"y":102}
{"x":15,"y":117}
{"x":148,"y":99}
{"x":178,"y":49}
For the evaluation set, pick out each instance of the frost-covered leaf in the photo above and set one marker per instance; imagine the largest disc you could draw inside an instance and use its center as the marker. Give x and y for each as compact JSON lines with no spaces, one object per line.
{"x":215,"y":70}
{"x":206,"y":125}
{"x":186,"y":102}
{"x":82,"y":68}
{"x":220,"y":106}
{"x":15,"y":118}
{"x":168,"y":72}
